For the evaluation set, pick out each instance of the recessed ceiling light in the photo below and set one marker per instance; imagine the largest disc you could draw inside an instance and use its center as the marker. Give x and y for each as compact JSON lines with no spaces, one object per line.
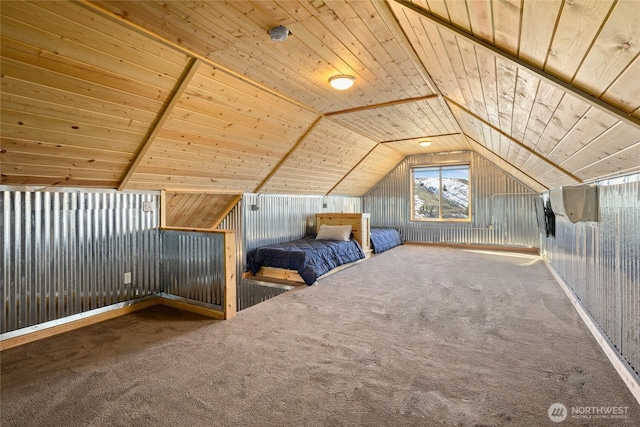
{"x":342,"y":81}
{"x":425,"y":143}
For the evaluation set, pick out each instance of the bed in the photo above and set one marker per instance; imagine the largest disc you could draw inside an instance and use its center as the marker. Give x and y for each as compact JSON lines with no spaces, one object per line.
{"x":305,"y":260}
{"x":309,"y":257}
{"x":383,"y":239}
{"x":288,"y":270}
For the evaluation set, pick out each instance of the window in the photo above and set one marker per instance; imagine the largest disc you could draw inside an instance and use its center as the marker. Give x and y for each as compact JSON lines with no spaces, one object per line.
{"x":441,"y":193}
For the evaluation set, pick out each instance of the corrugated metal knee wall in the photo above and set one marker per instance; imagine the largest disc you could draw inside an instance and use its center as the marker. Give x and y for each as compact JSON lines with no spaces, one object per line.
{"x":600,"y":261}
{"x":66,"y":252}
{"x":193,"y":266}
{"x":502,"y":208}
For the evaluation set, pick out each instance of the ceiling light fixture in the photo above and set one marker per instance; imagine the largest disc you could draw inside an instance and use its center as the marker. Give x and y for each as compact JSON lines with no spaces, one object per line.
{"x":342,"y":81}
{"x":425,"y":143}
{"x":279,"y":33}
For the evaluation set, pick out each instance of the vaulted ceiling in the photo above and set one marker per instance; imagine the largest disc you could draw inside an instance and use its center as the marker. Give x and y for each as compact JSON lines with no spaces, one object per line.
{"x":195,"y":96}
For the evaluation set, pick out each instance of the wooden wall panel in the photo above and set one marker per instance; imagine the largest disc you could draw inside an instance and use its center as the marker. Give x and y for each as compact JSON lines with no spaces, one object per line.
{"x":197,"y":210}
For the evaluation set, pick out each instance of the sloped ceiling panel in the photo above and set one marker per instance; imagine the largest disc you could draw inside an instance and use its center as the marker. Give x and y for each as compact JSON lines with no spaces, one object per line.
{"x":79,"y":93}
{"x":224,"y":135}
{"x":92,"y":92}
{"x":359,"y":38}
{"x":413,"y":119}
{"x":322,"y":159}
{"x":506,"y":166}
{"x":551,"y":134}
{"x":367,"y":173}
{"x":589,"y":44}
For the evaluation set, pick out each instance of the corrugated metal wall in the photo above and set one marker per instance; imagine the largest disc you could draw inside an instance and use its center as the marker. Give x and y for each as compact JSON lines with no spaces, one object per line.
{"x":600,"y":261}
{"x":502,"y":208}
{"x":193,"y":266}
{"x":283,"y":218}
{"x":66,"y":252}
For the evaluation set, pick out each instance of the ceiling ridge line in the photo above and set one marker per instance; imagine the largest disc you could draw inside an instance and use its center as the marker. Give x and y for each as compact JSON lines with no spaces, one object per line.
{"x":515,"y":141}
{"x":547,"y":77}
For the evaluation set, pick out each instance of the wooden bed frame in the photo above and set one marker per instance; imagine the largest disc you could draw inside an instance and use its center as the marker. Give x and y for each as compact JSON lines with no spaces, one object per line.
{"x":360,"y":227}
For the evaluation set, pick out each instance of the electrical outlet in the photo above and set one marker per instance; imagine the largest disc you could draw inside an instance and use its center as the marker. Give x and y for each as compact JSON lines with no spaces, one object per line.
{"x":127,"y":278}
{"x":147,"y":206}
{"x":255,"y":207}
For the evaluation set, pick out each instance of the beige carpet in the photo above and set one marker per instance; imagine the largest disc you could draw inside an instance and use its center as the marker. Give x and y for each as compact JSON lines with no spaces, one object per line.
{"x":417,"y":336}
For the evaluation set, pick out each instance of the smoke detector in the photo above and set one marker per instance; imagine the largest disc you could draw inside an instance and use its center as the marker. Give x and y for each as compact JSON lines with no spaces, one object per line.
{"x":279,"y":33}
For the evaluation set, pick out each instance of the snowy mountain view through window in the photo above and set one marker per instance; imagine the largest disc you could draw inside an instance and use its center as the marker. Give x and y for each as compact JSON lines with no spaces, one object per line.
{"x":441,"y":192}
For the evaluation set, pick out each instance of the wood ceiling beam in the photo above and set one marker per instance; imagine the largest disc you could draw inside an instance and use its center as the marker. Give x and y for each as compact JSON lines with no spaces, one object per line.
{"x":183,"y":82}
{"x":288,"y":155}
{"x":549,"y":78}
{"x":515,"y":141}
{"x":420,"y":137}
{"x":384,"y":104}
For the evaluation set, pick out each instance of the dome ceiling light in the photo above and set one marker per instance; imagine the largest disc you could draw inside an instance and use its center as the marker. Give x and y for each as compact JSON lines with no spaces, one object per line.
{"x":279,"y":33}
{"x":424,"y":143}
{"x":342,"y":81}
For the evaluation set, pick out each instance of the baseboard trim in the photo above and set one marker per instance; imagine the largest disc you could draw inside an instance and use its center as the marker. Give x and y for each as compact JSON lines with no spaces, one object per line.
{"x":55,"y":327}
{"x":629,"y":377}
{"x":192,"y":306}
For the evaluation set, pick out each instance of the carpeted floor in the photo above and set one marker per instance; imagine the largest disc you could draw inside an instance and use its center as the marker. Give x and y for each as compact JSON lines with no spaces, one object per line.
{"x":417,"y":336}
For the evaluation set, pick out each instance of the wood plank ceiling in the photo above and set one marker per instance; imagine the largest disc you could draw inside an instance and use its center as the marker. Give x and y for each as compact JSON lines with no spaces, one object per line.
{"x":194,"y":97}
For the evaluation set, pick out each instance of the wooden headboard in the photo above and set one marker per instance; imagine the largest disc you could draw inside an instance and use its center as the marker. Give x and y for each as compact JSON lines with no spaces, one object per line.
{"x":360,"y":225}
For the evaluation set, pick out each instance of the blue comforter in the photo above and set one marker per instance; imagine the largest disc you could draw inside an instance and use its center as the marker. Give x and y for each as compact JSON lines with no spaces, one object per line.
{"x":383,"y":239}
{"x":311,"y":258}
